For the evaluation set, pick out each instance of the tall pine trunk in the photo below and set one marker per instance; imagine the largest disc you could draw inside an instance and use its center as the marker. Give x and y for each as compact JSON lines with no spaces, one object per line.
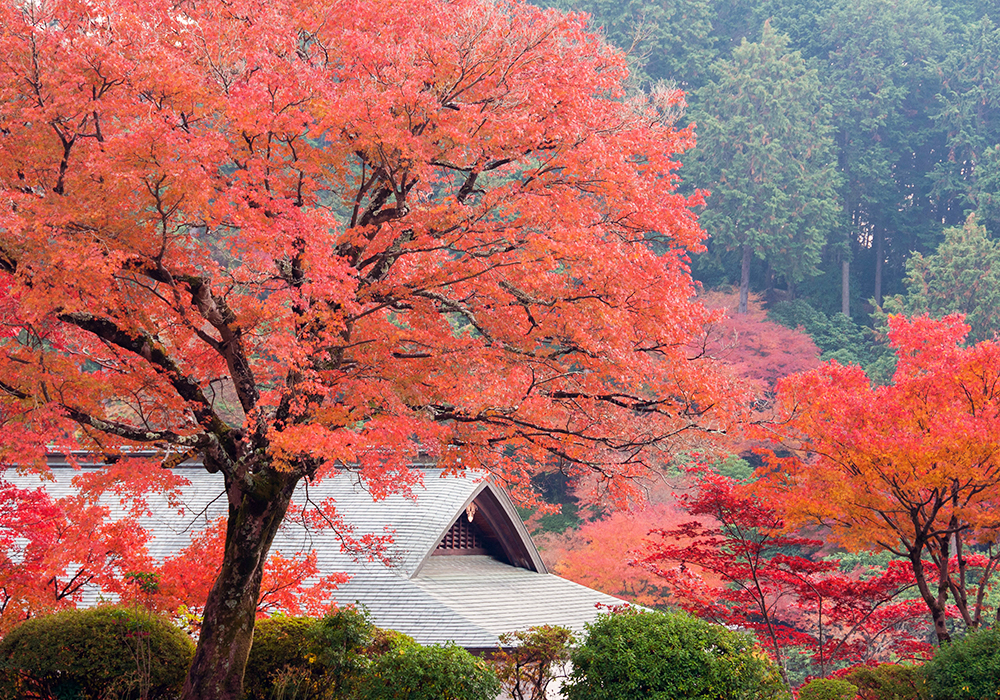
{"x":745,"y":279}
{"x":845,"y":287}
{"x":256,"y":510}
{"x":879,"y":264}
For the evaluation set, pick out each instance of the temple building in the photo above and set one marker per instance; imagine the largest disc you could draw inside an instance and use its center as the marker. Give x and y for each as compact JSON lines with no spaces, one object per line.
{"x":461,"y":566}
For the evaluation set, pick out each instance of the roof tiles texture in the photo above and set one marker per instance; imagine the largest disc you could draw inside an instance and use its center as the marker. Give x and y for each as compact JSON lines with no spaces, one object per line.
{"x":469,"y":600}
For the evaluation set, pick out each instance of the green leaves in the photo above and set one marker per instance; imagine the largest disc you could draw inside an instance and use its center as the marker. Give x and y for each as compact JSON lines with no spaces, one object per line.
{"x":668,"y":656}
{"x":967,"y":668}
{"x":93,"y":653}
{"x":766,"y":155}
{"x":413,"y":672}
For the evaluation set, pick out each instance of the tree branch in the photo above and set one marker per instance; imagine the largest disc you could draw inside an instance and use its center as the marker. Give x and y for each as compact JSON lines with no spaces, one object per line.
{"x":217,"y":312}
{"x":143,"y":346}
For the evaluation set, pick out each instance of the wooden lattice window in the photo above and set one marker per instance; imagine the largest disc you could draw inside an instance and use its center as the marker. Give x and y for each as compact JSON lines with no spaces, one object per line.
{"x":463,"y":536}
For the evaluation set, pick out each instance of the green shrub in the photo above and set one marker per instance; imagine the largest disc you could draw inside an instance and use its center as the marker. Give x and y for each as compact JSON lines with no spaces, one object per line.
{"x":94,"y":654}
{"x":279,"y":659}
{"x":306,"y":658}
{"x":968,"y":668}
{"x":828,"y":689}
{"x":414,"y":672}
{"x":669,"y":656}
{"x":384,"y":641}
{"x":342,"y":644}
{"x":888,"y":682}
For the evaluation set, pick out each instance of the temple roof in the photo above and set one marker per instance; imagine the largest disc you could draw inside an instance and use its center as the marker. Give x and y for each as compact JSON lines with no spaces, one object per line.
{"x":461,"y":566}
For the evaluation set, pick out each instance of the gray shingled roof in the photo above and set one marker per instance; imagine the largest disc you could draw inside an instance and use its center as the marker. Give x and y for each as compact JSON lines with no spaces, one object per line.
{"x":469,"y":600}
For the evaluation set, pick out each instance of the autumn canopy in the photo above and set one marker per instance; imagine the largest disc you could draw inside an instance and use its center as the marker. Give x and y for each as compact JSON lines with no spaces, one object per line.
{"x":285,"y":236}
{"x":912,"y":468}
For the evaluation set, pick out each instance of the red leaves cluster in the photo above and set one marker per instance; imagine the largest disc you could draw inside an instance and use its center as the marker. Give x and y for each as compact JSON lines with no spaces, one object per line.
{"x":760,"y":351}
{"x":51,"y":550}
{"x":54,"y":551}
{"x":766,"y":580}
{"x":291,"y":585}
{"x":912,"y":468}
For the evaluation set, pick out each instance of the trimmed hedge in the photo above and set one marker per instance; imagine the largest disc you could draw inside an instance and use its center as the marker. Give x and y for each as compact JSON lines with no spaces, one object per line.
{"x":669,"y":656}
{"x":828,"y":689}
{"x":311,"y":659}
{"x":888,"y":682}
{"x":93,"y":654}
{"x":314,"y":659}
{"x":279,"y":659}
{"x":414,"y":672}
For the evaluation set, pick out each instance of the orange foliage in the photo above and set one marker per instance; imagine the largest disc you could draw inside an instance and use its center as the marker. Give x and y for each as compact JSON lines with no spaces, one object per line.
{"x":373,"y":233}
{"x":912,"y":467}
{"x":598,"y":554}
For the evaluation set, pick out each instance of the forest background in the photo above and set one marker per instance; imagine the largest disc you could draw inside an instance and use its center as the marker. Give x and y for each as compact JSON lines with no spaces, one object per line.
{"x":851,"y":153}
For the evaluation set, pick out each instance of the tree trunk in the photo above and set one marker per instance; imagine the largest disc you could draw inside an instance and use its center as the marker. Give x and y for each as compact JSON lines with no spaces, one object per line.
{"x":745,"y":279}
{"x":255,"y":513}
{"x":935,"y":604}
{"x":845,"y":287}
{"x":879,"y":261}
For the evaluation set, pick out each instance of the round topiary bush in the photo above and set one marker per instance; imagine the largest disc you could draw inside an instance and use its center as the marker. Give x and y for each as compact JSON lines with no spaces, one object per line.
{"x":887,"y":681}
{"x":828,"y":689}
{"x":279,"y":656}
{"x":413,"y":672}
{"x":669,"y":656}
{"x":94,"y":654}
{"x":966,"y":669}
{"x":309,"y":658}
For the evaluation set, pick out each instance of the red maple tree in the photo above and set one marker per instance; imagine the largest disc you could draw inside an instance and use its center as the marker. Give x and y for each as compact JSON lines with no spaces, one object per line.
{"x":767,"y":580}
{"x":53,"y":550}
{"x":288,"y":237}
{"x":911,"y":468}
{"x":759,"y":350}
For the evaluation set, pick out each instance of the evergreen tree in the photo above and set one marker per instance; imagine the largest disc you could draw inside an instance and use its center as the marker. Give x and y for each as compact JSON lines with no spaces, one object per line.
{"x":968,"y":110}
{"x":963,"y":276}
{"x":766,"y":154}
{"x":877,"y":66}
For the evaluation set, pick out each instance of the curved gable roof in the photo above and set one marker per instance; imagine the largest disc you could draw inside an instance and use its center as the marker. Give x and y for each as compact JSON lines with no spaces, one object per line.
{"x":494,"y":506}
{"x":470,"y":600}
{"x":417,"y":522}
